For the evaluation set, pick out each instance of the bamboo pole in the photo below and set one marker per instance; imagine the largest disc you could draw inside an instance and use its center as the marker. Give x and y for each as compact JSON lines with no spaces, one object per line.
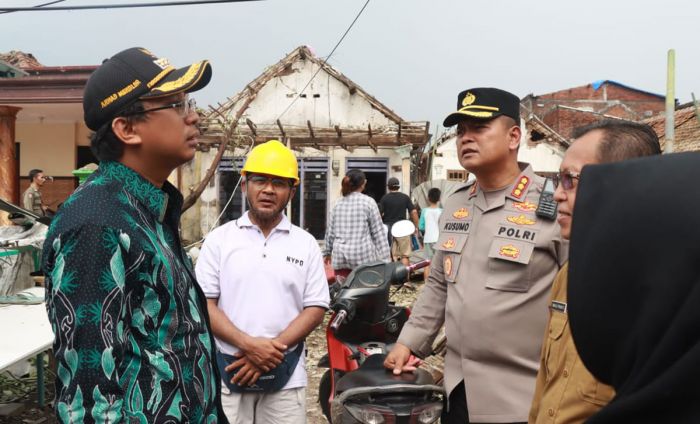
{"x":670,"y":101}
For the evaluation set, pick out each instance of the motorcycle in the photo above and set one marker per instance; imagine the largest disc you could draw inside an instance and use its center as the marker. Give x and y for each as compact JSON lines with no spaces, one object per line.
{"x":364,"y":325}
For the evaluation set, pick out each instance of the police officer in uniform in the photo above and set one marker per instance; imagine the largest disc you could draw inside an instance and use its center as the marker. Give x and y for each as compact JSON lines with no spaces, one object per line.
{"x":494,"y":262}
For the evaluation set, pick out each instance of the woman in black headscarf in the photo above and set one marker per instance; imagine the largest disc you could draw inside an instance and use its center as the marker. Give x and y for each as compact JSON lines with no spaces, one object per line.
{"x":634,"y":286}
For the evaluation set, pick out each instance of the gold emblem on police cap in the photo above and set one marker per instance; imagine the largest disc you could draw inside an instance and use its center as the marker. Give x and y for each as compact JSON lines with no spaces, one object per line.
{"x":468,"y":99}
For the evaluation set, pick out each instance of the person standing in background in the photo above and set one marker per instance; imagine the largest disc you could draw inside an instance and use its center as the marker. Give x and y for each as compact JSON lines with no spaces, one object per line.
{"x":355,"y":235}
{"x":394,"y":206}
{"x":31,"y":199}
{"x":428,"y":223}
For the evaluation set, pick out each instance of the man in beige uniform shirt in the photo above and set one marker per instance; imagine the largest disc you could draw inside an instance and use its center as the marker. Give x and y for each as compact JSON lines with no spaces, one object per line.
{"x":494,"y":263}
{"x":566,"y":392}
{"x":31,"y":199}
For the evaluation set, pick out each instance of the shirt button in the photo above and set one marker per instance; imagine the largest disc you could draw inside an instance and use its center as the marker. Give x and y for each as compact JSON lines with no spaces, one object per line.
{"x":264,"y":255}
{"x":550,"y":412}
{"x":566,"y":373}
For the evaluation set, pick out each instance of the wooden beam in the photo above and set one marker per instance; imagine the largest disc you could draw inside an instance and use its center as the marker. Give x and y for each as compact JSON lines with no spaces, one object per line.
{"x":279,"y":124}
{"x":252,"y":126}
{"x":369,"y":138}
{"x":340,"y":136}
{"x":372,"y":145}
{"x":313,"y":136}
{"x":427,"y":129}
{"x":378,"y":140}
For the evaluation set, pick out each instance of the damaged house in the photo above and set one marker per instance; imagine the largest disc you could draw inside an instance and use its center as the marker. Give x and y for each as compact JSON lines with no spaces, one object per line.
{"x":332,"y":124}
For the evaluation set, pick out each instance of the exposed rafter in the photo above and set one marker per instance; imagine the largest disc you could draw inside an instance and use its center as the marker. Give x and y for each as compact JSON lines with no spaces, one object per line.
{"x":400,"y":132}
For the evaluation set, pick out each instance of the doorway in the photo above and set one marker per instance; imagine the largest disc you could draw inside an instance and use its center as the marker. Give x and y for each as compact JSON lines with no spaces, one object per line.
{"x":229,"y":174}
{"x":376,"y":170}
{"x":310,"y":214}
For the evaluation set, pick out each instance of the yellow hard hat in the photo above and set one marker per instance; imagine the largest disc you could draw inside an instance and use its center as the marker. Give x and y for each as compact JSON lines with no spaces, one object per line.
{"x":272,"y":158}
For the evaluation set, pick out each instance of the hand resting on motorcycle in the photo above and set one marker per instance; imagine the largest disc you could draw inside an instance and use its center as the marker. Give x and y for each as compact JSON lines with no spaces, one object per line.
{"x":400,"y":359}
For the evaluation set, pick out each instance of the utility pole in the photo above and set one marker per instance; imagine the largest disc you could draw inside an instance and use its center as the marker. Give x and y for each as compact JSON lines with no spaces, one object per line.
{"x":670,"y":101}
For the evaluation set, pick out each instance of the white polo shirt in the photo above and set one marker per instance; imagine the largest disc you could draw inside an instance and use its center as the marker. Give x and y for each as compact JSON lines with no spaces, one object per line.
{"x":263,"y":284}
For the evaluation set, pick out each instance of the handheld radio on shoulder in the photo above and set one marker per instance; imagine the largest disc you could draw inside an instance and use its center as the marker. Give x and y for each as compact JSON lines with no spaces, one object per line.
{"x":547,"y":206}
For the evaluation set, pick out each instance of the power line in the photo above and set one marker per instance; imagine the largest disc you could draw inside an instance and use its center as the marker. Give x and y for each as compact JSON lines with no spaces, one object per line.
{"x":38,"y":5}
{"x":325,"y":61}
{"x":116,"y":6}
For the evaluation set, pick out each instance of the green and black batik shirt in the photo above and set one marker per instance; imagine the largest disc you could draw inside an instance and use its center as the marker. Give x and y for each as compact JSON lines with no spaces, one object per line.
{"x":133,"y":343}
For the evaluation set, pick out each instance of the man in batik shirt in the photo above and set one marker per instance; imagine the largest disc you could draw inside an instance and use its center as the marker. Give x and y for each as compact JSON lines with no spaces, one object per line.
{"x":133,"y":342}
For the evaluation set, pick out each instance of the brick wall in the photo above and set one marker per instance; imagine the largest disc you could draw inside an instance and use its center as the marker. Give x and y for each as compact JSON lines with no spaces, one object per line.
{"x":608,"y":99}
{"x":53,"y":192}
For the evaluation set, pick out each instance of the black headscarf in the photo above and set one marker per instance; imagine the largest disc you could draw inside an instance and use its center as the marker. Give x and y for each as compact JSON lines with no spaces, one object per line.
{"x":634,"y":286}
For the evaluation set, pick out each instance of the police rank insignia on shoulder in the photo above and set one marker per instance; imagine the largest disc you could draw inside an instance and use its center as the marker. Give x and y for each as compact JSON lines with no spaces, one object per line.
{"x":519,"y":188}
{"x":449,"y":243}
{"x":461,"y":213}
{"x":520,"y":220}
{"x":509,"y":251}
{"x":447,"y":266}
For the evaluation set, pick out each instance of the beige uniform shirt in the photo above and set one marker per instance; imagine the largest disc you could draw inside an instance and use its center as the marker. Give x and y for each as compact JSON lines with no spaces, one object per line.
{"x":31,"y":200}
{"x":489,"y":283}
{"x":565,"y":392}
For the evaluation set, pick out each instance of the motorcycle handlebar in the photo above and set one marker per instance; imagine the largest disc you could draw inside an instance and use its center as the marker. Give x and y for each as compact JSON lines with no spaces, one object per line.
{"x":418,"y":265}
{"x":338,"y":319}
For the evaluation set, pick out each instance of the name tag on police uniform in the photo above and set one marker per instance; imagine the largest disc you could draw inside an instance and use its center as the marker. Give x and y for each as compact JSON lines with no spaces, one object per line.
{"x":559,"y":306}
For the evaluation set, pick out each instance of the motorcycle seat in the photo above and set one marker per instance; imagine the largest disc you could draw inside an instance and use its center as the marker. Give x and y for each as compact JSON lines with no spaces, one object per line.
{"x":373,"y":373}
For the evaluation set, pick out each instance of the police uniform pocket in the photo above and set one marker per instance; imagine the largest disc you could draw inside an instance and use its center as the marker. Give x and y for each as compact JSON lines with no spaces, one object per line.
{"x":451,"y":246}
{"x":595,"y":392}
{"x":508,"y":270}
{"x":554,"y":344}
{"x":557,"y":325}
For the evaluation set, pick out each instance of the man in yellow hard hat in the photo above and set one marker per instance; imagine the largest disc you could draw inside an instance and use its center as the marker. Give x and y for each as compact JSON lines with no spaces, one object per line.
{"x":266,"y":288}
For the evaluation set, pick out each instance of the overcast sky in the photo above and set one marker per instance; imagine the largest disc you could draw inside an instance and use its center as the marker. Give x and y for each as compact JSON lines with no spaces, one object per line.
{"x":413,"y":55}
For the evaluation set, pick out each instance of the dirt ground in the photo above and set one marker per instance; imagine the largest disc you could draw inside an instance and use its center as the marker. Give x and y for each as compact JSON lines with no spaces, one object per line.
{"x":30,"y":413}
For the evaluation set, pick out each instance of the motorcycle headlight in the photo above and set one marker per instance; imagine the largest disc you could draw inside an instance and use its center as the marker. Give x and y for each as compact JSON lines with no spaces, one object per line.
{"x":371,"y":414}
{"x":426,"y":414}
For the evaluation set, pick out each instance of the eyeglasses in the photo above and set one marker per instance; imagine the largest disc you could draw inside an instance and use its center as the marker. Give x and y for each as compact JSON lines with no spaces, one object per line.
{"x":260,"y":181}
{"x":566,"y":178}
{"x":184,"y":108}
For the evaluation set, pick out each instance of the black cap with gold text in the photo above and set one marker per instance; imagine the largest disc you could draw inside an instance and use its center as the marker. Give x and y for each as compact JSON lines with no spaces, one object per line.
{"x":135,"y":74}
{"x":484,"y":103}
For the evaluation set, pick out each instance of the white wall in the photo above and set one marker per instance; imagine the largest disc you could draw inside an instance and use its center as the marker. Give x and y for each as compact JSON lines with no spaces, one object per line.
{"x":543,"y":157}
{"x":445,"y":160}
{"x":334,"y":106}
